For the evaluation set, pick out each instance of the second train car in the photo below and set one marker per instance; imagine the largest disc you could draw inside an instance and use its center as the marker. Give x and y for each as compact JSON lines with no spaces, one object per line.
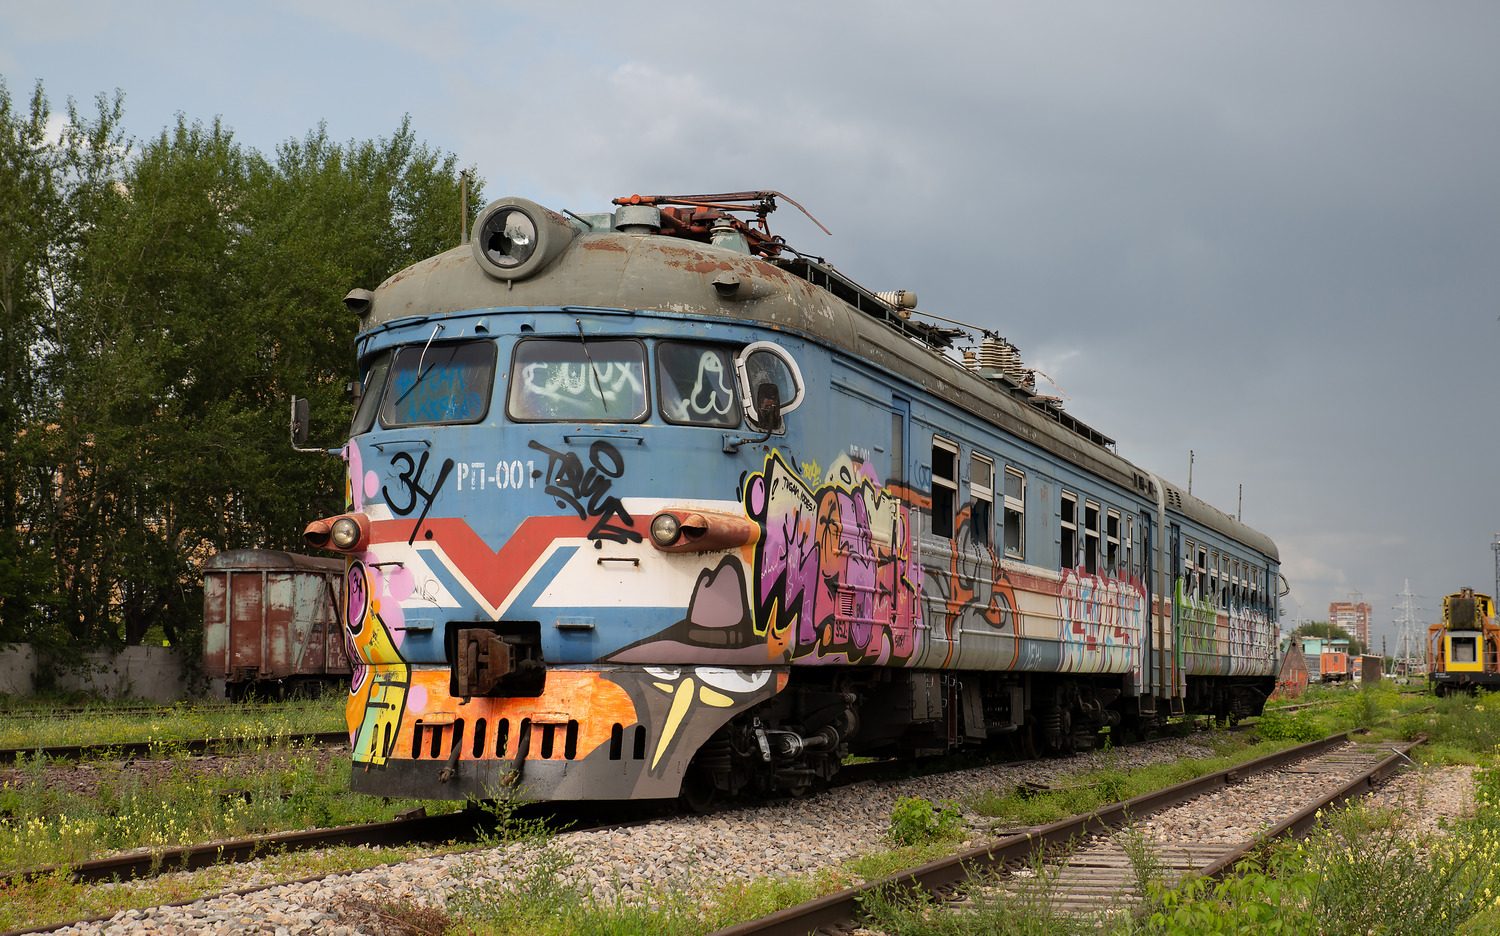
{"x":1463,"y":651}
{"x":642,"y":504}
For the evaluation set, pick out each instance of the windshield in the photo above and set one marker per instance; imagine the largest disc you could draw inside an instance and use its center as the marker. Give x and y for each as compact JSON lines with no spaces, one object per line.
{"x":566,"y":380}
{"x":439,"y":383}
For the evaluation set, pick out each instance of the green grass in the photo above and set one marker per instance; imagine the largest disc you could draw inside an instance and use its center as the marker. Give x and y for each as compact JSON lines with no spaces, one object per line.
{"x":280,"y":790}
{"x":184,"y":723}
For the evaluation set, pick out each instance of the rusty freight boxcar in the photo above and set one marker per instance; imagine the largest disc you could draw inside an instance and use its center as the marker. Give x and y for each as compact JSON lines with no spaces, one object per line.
{"x":271,"y":623}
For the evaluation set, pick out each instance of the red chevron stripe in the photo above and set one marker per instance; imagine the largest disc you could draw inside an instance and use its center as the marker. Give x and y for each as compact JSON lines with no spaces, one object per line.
{"x":494,"y":574}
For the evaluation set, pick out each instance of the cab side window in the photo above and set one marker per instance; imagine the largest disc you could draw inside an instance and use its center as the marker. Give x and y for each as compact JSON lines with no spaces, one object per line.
{"x":695,"y":385}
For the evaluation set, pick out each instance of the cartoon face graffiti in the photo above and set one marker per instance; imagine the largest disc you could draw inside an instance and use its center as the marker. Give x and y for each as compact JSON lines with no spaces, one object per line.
{"x":690,"y":689}
{"x":378,"y":692}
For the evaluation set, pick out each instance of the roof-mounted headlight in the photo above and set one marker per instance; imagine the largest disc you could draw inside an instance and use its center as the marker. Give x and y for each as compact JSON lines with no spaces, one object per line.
{"x":509,"y":238}
{"x":514,"y":238}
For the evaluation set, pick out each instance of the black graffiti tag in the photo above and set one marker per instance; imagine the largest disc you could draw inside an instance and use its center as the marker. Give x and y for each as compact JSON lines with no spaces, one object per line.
{"x":411,"y":480}
{"x":586,"y":490}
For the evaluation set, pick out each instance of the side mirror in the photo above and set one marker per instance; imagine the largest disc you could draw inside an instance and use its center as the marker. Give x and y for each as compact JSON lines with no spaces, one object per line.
{"x":768,"y":407}
{"x":299,"y":421}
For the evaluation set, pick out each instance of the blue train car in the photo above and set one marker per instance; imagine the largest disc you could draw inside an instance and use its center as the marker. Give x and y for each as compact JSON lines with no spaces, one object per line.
{"x":641,"y":505}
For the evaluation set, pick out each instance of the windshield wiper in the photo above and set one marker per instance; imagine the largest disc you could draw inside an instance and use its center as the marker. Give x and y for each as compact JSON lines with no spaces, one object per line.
{"x":598,"y":385}
{"x":421,"y":374}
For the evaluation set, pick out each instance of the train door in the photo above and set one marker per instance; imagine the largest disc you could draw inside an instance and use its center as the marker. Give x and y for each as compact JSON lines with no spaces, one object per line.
{"x":1143,"y":570}
{"x":909,"y":624}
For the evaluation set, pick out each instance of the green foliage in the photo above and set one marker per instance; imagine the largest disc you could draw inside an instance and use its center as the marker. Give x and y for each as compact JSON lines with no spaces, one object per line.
{"x":1359,"y":873}
{"x":160,"y":302}
{"x":915,"y":820}
{"x":1300,"y":727}
{"x":1464,"y":724}
{"x":1245,"y":902}
{"x":1371,"y":704}
{"x":275,"y":720}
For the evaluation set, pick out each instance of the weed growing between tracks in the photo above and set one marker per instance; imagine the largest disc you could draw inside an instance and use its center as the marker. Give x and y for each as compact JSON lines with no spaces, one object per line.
{"x":1086,"y":792}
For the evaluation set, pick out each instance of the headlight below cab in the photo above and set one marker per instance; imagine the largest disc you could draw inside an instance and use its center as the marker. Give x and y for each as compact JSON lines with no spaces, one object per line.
{"x":682,"y":529}
{"x":344,"y":533}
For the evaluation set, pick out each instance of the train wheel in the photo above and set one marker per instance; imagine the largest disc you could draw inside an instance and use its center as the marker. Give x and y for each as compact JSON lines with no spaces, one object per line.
{"x":1027,"y":742}
{"x":698,"y":792}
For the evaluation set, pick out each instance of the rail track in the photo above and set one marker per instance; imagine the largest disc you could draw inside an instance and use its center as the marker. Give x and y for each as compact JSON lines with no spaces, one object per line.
{"x":1099,"y":872}
{"x":467,"y":826}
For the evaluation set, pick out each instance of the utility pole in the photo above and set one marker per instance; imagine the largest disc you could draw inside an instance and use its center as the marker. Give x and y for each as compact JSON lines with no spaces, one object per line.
{"x":1190,"y":480}
{"x":463,"y":206}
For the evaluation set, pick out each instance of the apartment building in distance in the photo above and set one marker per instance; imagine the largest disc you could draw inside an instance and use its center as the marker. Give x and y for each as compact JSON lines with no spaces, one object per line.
{"x":1353,"y":616}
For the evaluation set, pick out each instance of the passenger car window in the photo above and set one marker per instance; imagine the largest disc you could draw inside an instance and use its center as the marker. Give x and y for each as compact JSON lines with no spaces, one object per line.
{"x":439,"y":383}
{"x":695,"y":385}
{"x":944,"y":486}
{"x":1015,"y":514}
{"x":981,"y":498}
{"x":563,"y":380}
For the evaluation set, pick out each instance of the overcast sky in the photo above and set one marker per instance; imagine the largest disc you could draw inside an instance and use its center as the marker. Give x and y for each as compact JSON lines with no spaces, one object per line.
{"x":1268,"y":233}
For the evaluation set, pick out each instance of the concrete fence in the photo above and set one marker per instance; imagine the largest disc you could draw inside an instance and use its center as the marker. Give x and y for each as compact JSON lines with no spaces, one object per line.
{"x":155,"y":673}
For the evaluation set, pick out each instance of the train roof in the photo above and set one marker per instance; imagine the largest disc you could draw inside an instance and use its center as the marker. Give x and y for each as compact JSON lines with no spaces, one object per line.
{"x":269,"y":560}
{"x":601,"y":266}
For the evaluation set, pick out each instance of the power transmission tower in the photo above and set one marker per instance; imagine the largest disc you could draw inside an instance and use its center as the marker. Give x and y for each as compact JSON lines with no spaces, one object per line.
{"x":1407,"y":634}
{"x":1496,"y":547}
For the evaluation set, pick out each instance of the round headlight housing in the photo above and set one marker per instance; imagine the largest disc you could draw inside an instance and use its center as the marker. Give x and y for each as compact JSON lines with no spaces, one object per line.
{"x":509,"y":238}
{"x":344,"y":533}
{"x":514,"y":238}
{"x":664,"y":529}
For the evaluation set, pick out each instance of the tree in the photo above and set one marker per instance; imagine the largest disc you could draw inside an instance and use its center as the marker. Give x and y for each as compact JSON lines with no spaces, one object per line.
{"x":31,"y":210}
{"x":174,"y":297}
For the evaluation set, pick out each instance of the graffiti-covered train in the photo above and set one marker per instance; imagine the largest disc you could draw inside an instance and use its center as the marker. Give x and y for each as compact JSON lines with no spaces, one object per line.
{"x":642,"y":504}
